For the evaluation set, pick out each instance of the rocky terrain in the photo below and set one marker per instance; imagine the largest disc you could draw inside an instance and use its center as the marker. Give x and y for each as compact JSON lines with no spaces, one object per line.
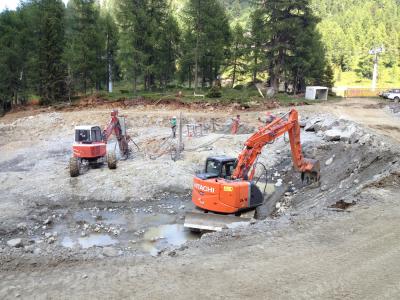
{"x":50,"y":221}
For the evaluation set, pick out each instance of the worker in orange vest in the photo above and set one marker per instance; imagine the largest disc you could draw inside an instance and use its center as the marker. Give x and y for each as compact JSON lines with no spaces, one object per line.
{"x":235,"y":124}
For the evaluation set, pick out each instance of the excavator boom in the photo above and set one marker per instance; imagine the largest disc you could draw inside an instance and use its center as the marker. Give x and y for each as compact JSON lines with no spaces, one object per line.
{"x":288,"y":123}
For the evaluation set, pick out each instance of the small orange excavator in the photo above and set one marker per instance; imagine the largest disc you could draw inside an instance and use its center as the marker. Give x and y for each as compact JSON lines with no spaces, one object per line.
{"x":90,"y":146}
{"x":227,"y":186}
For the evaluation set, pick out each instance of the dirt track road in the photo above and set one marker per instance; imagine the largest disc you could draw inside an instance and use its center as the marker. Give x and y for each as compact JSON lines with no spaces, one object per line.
{"x":346,"y":256}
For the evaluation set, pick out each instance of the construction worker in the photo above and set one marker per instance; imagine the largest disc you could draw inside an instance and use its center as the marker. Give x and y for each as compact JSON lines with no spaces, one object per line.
{"x":173,"y":126}
{"x":235,"y":124}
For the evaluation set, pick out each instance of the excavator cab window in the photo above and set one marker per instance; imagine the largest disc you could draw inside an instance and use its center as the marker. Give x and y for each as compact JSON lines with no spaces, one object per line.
{"x":220,"y":168}
{"x":227,"y":169}
{"x":96,"y":134}
{"x":82,"y":135}
{"x":213,"y":167}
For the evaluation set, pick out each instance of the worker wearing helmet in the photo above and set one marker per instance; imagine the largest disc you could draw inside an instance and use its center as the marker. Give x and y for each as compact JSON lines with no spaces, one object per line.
{"x":173,"y":126}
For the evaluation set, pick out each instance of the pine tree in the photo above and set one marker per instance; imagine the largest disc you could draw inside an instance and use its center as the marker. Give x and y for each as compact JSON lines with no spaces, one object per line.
{"x":256,"y":43}
{"x":328,"y":78}
{"x":109,"y":30}
{"x":294,"y":51}
{"x":50,"y":48}
{"x":167,"y":48}
{"x":207,"y":25}
{"x":10,"y":59}
{"x":149,"y":35}
{"x":238,"y":52}
{"x":85,"y":47}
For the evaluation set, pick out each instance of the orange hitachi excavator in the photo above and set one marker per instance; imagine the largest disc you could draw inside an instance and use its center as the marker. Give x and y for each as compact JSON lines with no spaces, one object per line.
{"x":227,"y":186}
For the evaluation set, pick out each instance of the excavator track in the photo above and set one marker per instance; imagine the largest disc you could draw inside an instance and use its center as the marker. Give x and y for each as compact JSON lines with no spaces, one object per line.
{"x":212,"y":222}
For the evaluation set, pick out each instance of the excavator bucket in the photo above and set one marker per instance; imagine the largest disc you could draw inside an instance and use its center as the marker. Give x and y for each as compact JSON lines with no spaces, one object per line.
{"x":212,"y":222}
{"x":313,"y":174}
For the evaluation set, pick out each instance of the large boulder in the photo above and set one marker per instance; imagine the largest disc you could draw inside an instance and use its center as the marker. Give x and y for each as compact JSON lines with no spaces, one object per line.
{"x":311,"y":124}
{"x":15,"y":243}
{"x":346,"y":132}
{"x":332,"y":135}
{"x":270,"y":92}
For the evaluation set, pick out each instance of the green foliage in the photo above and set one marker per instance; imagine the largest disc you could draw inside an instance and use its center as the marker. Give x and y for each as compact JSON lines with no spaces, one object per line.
{"x":11,"y":64}
{"x":237,"y":63}
{"x":50,"y":46}
{"x":259,"y":32}
{"x":327,"y":77}
{"x":53,"y":51}
{"x":149,"y":41}
{"x":350,"y":28}
{"x":84,"y":53}
{"x":214,"y":92}
{"x":206,"y":42}
{"x":365,"y":67}
{"x":293,"y":49}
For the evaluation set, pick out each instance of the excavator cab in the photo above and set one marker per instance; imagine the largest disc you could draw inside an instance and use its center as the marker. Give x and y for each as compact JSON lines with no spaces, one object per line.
{"x":88,"y":134}
{"x":218,"y":167}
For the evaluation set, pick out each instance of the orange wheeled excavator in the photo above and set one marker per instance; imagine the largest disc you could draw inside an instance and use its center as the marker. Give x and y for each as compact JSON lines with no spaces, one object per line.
{"x":90,"y":146}
{"x":227,"y":186}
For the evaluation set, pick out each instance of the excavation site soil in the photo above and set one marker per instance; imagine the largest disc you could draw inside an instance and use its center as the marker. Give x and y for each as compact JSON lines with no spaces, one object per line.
{"x":112,"y":234}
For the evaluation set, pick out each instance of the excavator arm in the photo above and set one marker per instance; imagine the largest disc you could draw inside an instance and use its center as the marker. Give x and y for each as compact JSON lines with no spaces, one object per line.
{"x":114,"y":126}
{"x":288,"y":123}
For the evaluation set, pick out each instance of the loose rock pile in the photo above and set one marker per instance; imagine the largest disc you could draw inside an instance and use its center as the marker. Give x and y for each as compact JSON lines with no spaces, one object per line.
{"x":333,"y":130}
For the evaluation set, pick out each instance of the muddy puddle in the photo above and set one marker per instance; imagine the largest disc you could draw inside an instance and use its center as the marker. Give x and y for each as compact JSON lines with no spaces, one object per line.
{"x":160,"y":237}
{"x":92,"y":240}
{"x":129,"y":229}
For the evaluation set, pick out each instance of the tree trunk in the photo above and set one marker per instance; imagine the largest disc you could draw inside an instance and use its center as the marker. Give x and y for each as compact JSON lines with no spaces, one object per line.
{"x":255,"y":68}
{"x":196,"y":69}
{"x":234,"y":73}
{"x":190,"y":77}
{"x":203,"y":78}
{"x":84,"y":84}
{"x":135,"y":86}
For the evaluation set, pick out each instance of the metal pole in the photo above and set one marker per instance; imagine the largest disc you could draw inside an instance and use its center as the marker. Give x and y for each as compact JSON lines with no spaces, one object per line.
{"x":375,"y":52}
{"x":375,"y":74}
{"x":110,"y":84}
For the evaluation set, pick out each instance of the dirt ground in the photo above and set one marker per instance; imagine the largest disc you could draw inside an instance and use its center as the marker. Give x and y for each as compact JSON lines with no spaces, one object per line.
{"x":118,"y":233}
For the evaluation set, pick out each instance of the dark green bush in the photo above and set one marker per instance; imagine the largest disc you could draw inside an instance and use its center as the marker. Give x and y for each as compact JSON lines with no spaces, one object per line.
{"x":214,"y":92}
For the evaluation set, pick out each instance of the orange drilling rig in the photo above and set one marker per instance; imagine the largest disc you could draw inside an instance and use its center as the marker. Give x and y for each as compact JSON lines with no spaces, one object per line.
{"x":227,"y":186}
{"x":90,"y":146}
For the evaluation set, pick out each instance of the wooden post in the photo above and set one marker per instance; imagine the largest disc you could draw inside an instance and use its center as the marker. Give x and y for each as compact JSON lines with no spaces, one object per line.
{"x":213,"y":124}
{"x":180,"y":146}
